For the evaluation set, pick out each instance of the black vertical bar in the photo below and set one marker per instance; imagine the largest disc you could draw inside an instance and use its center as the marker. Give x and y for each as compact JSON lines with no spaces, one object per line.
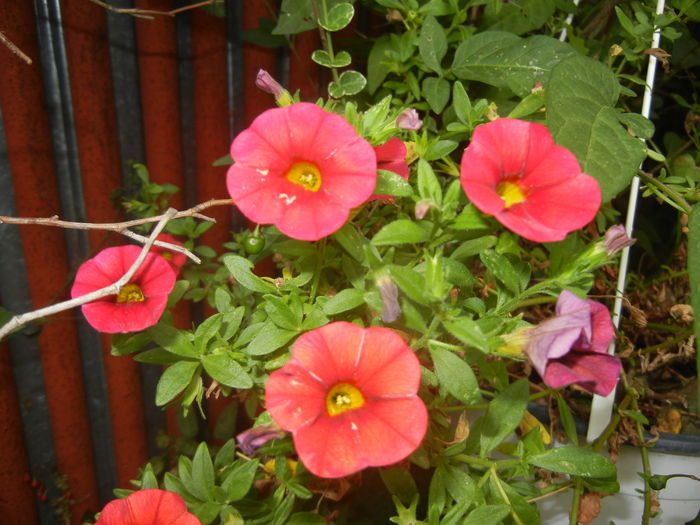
{"x":183,"y":28}
{"x":24,"y":348}
{"x":59,"y":101}
{"x":123,"y":52}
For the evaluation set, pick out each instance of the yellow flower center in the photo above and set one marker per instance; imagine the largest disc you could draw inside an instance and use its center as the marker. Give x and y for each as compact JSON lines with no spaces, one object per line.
{"x":167,"y":256}
{"x":510,"y":192}
{"x":130,"y":293}
{"x":343,"y":397}
{"x":305,"y":174}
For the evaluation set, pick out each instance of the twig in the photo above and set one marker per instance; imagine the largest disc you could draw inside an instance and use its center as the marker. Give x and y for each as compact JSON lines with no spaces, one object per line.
{"x":22,"y":319}
{"x":150,"y":14}
{"x":12,"y":47}
{"x":117,"y":226}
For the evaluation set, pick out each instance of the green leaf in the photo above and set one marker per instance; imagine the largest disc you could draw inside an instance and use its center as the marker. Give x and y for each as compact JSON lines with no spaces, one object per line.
{"x":503,"y":415}
{"x":203,"y":472}
{"x":296,"y":16}
{"x":502,"y":269}
{"x":343,"y":301}
{"x":341,"y":59}
{"x":455,"y":375}
{"x":390,"y":183}
{"x":281,"y":314}
{"x":567,"y":419}
{"x":241,"y":269}
{"x":172,"y":339}
{"x":437,"y":93}
{"x":581,"y":97}
{"x":439,"y":149}
{"x":487,"y":515}
{"x":639,"y":125}
{"x":174,"y":380}
{"x":239,"y":479}
{"x":467,"y":331}
{"x":269,"y":339}
{"x":470,"y":218}
{"x":574,"y":461}
{"x":527,"y":512}
{"x":377,"y":69}
{"x":409,"y":281}
{"x":461,"y":103}
{"x":350,"y":83}
{"x":402,"y":231}
{"x":518,"y":17}
{"x":432,"y":44}
{"x":226,"y":370}
{"x":306,"y":518}
{"x":504,"y":60}
{"x":351,"y":241}
{"x":694,"y":270}
{"x":428,"y":184}
{"x":122,"y":344}
{"x":338,"y":17}
{"x":205,"y":331}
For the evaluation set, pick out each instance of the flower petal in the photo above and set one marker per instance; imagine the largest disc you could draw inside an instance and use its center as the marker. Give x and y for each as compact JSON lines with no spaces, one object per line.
{"x":331,"y":352}
{"x":330,"y":446}
{"x":148,"y":507}
{"x":294,"y":397}
{"x":391,"y":430}
{"x":596,"y":372}
{"x":387,"y":366}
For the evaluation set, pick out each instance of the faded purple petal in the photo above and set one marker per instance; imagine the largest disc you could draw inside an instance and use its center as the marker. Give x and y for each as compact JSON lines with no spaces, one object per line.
{"x":597,"y":373}
{"x":572,"y":346}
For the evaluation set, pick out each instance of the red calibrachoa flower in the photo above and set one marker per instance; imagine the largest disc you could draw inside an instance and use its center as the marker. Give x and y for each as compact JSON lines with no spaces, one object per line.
{"x":391,"y":156}
{"x":348,"y":395}
{"x":175,"y":259}
{"x":513,"y":170}
{"x":302,"y":169}
{"x":147,"y":507}
{"x":139,"y":304}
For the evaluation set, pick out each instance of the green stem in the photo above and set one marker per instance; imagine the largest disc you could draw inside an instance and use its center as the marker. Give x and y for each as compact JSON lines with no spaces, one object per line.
{"x":666,"y":344}
{"x":576,"y":501}
{"x":646,"y":466}
{"x":671,"y":193}
{"x":317,"y":273}
{"x":325,"y":35}
{"x":506,"y":499}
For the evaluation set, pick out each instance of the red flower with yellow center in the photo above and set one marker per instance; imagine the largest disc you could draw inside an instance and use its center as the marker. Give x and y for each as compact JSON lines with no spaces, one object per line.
{"x":349,"y":397}
{"x":514,"y":171}
{"x":302,"y":169}
{"x":138,"y":304}
{"x":147,"y":507}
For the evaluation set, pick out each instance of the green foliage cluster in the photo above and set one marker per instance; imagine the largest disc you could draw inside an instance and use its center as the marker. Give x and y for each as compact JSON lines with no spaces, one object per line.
{"x":464,"y":283}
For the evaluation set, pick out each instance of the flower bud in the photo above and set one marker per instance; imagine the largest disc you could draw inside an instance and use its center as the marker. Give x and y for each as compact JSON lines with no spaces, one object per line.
{"x":408,"y":119}
{"x":616,"y":239}
{"x":266,"y":83}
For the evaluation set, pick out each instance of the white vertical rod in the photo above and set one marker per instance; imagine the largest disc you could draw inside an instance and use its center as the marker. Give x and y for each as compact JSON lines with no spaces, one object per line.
{"x":601,"y":409}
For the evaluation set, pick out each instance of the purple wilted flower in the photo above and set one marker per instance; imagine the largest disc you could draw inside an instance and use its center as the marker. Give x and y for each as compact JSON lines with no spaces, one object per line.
{"x":616,"y":239}
{"x":254,"y":438}
{"x":391,"y":310}
{"x":571,"y":348}
{"x":408,"y":119}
